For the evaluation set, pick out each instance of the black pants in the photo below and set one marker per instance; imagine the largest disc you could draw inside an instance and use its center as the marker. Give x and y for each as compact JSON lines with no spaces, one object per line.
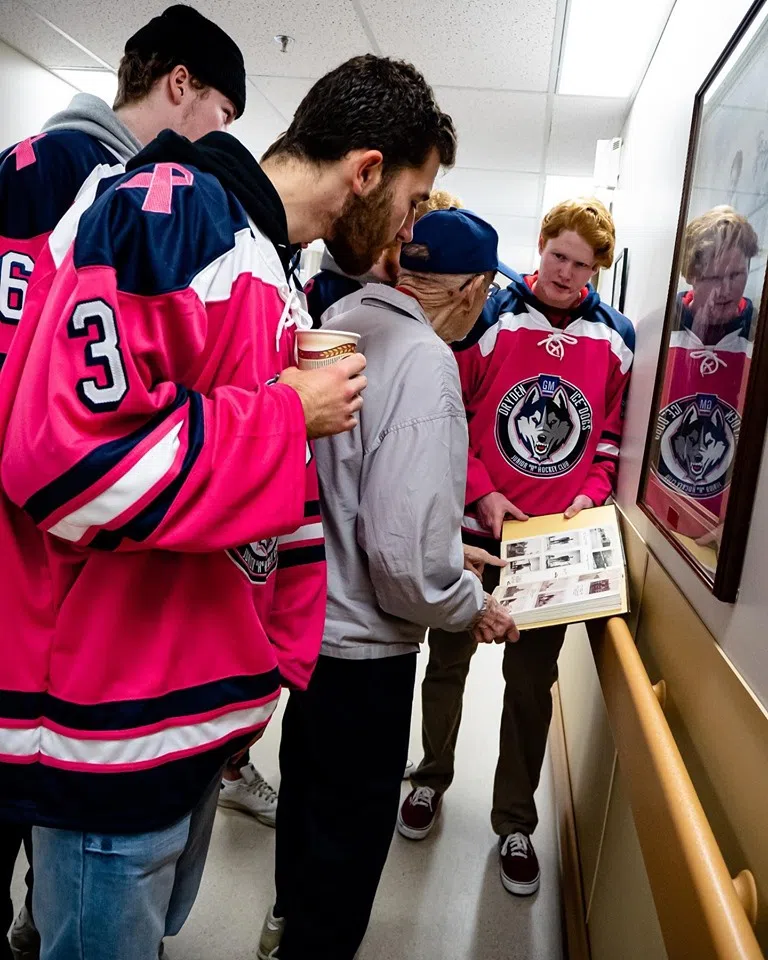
{"x":11,"y":838}
{"x":343,"y":751}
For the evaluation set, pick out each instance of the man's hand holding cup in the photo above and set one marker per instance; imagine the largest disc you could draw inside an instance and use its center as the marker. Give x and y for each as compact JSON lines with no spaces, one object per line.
{"x":329,"y":381}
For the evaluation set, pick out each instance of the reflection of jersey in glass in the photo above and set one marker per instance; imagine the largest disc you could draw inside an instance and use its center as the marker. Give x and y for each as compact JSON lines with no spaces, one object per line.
{"x":697,"y":427}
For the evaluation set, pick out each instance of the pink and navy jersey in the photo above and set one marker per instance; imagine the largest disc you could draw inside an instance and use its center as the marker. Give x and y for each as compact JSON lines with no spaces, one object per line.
{"x":168,"y":476}
{"x":39,"y":180}
{"x":544,"y":402}
{"x":699,"y":421}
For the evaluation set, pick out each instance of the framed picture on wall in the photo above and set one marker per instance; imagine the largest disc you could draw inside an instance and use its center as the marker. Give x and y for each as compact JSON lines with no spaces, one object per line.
{"x":710,"y":406}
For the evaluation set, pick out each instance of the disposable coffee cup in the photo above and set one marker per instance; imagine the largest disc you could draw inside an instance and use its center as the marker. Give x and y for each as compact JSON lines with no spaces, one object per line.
{"x":321,"y":348}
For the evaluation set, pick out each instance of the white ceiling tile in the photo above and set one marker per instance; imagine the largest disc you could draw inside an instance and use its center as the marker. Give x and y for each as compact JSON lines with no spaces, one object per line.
{"x":37,"y":40}
{"x":326,"y":31}
{"x":497,"y":130}
{"x":85,"y":22}
{"x":494,"y":192}
{"x":577,"y":124}
{"x":284,"y":93}
{"x":506,"y":44}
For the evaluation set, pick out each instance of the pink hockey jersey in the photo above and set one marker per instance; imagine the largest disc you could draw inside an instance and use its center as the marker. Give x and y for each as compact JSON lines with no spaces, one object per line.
{"x":171,"y":477}
{"x":544,"y":403}
{"x":698,"y":424}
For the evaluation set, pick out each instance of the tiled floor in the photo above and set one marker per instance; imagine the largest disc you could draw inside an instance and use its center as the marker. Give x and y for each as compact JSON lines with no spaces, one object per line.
{"x":440,"y":899}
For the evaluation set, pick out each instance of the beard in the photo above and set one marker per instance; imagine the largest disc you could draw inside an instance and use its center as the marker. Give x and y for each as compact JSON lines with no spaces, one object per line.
{"x":361,"y":231}
{"x":386,"y":269}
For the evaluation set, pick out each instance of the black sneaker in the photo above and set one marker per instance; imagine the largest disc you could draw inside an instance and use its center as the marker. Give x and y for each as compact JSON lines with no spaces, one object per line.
{"x":519,"y":865}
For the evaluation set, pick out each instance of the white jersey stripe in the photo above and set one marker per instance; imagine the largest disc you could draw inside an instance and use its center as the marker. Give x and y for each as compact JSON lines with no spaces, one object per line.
{"x":142,"y":749}
{"x":64,"y":234}
{"x":533,"y":320}
{"x":512,"y":322}
{"x":125,"y":492}
{"x":610,"y":448}
{"x":252,"y":254}
{"x":310,"y":531}
{"x":470,"y":523}
{"x":601,"y":331}
{"x":732,"y":343}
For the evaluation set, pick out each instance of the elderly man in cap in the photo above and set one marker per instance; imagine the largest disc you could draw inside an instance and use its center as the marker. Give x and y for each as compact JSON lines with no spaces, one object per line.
{"x":392,"y":498}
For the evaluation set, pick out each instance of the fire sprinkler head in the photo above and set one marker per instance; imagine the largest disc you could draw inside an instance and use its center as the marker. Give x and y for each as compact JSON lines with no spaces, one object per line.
{"x":284,"y":41}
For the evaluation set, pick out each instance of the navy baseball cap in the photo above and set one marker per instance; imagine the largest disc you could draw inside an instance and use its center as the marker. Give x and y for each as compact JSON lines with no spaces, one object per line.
{"x":453,"y":241}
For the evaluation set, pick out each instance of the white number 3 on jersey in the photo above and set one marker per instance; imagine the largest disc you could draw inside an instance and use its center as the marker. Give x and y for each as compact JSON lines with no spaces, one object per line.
{"x":103,"y":352}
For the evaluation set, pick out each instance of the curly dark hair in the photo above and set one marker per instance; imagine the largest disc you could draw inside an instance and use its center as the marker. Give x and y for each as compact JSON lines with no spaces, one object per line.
{"x":370,"y":103}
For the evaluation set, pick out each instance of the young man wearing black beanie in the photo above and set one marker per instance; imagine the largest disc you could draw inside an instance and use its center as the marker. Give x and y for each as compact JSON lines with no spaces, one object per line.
{"x":179,"y":71}
{"x":154,"y":428}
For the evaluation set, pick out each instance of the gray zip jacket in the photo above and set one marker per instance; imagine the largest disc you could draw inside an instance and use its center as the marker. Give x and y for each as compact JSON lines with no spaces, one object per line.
{"x":392,"y":490}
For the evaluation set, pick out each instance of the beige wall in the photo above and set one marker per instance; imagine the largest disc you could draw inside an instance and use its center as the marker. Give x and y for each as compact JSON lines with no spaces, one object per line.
{"x":721,"y":731}
{"x":647,"y":207}
{"x":713,"y":656}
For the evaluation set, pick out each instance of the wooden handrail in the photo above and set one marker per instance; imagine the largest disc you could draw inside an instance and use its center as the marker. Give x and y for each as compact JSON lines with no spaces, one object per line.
{"x":699,"y":910}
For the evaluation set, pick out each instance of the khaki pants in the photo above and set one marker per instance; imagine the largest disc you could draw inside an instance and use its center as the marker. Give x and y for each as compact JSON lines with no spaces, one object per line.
{"x":530,"y":669}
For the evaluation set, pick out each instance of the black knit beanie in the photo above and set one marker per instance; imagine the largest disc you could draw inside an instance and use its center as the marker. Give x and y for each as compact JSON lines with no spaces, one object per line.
{"x":190,"y":39}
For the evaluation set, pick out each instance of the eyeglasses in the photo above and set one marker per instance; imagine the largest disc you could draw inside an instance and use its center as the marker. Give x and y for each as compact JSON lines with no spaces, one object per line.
{"x":493,"y":288}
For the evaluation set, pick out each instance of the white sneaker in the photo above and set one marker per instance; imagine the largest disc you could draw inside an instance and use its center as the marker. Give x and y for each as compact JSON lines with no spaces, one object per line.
{"x":24,"y":938}
{"x":271,"y":935}
{"x":250,"y":793}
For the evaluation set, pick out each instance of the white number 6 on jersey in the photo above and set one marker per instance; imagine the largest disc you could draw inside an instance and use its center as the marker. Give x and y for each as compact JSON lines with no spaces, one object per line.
{"x":103,"y":352}
{"x":15,"y":271}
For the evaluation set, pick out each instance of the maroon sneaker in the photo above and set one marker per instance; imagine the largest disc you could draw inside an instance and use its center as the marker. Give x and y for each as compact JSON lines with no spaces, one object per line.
{"x":519,"y":865}
{"x":418,"y":813}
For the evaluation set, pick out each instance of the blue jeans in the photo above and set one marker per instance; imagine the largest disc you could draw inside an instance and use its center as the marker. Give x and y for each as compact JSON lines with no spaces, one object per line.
{"x":115,"y":896}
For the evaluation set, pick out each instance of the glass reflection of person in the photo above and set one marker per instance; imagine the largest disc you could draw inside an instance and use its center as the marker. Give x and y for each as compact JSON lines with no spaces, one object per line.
{"x":706,"y":372}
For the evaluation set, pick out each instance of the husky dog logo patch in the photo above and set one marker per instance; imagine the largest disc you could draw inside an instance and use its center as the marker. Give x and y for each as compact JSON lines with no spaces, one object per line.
{"x":542,"y":426}
{"x":697,"y":438}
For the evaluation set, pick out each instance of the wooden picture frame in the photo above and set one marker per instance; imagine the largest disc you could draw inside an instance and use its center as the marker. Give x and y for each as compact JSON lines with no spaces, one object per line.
{"x":720,"y":568}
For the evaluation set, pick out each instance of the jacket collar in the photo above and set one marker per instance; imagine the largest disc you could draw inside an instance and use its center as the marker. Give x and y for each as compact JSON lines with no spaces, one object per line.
{"x":389,"y":297}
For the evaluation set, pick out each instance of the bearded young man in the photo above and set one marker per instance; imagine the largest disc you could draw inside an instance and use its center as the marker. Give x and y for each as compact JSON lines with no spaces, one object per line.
{"x":331,"y":285}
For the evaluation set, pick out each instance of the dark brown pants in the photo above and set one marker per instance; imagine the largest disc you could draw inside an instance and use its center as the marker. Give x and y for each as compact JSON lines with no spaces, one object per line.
{"x":530,"y":669}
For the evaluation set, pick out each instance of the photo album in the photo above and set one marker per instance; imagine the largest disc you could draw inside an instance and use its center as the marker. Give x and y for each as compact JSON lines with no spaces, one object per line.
{"x":563,"y":571}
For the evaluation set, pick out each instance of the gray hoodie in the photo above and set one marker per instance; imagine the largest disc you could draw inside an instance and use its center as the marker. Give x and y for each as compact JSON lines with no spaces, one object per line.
{"x":91,"y":115}
{"x":393,"y":489}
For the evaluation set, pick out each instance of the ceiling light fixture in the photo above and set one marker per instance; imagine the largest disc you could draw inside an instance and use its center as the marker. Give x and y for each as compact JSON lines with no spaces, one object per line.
{"x":283,"y":41}
{"x":625,"y":31}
